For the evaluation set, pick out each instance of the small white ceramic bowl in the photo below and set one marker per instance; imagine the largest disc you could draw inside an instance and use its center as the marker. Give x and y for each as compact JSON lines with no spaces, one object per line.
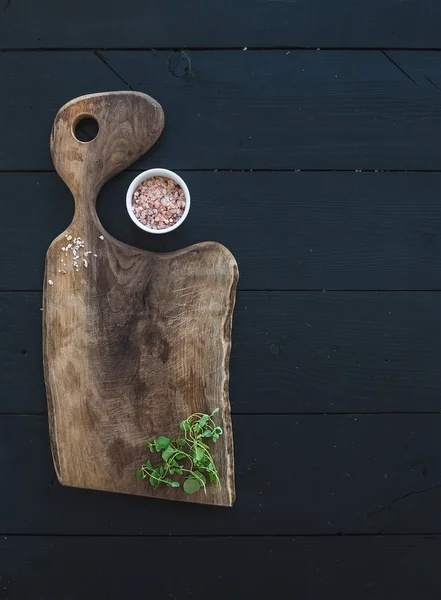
{"x":148,"y":175}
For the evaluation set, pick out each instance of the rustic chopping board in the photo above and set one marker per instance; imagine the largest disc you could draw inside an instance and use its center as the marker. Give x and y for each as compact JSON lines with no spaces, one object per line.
{"x":134,"y":341}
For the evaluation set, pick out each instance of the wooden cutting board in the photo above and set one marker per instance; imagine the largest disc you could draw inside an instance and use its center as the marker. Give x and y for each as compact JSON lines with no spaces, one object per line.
{"x":134,"y":341}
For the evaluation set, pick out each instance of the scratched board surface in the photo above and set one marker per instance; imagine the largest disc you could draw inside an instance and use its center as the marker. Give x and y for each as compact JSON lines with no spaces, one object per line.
{"x":309,"y":135}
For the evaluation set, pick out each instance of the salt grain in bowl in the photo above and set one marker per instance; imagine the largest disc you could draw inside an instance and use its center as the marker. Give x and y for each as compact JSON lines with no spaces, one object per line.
{"x":158,"y":202}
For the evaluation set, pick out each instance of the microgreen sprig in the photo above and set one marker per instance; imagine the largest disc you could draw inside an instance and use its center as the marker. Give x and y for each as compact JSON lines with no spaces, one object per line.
{"x":187,"y":456}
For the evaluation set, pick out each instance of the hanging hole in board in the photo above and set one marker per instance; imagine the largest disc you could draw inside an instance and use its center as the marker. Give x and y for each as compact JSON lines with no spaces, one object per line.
{"x":86,"y":129}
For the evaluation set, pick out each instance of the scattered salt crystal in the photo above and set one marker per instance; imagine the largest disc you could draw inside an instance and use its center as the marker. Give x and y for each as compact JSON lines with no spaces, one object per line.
{"x":69,"y":237}
{"x":72,"y":251}
{"x":50,"y":282}
{"x":101,"y":237}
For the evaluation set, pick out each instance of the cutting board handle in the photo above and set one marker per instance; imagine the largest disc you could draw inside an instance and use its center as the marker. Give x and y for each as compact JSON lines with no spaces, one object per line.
{"x":129,"y":123}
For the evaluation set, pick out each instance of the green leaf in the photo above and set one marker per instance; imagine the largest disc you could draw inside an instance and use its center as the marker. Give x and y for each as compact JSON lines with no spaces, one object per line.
{"x":215,"y":437}
{"x":162,"y":443}
{"x":218,"y":430}
{"x":140,"y":474}
{"x":184,"y":425}
{"x":208,"y":433}
{"x":153,"y":482}
{"x":191,"y":485}
{"x":200,"y":477}
{"x":199,"y":454}
{"x":203,"y":420}
{"x":214,"y":412}
{"x":168,"y":452}
{"x":174,"y":484}
{"x":148,"y":464}
{"x":161,"y":470}
{"x":181,"y":441}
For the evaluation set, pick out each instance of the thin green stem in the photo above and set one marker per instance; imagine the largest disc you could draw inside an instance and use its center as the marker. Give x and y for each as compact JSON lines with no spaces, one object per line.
{"x":194,"y":432}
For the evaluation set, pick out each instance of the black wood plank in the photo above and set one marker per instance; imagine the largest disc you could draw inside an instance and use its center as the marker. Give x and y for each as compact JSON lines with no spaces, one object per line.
{"x":287,"y":230}
{"x":364,"y":568}
{"x":21,"y":364}
{"x":292,"y":352}
{"x":294,"y":475}
{"x":238,"y":110}
{"x":305,"y":110}
{"x":34,"y":87}
{"x":226,"y":23}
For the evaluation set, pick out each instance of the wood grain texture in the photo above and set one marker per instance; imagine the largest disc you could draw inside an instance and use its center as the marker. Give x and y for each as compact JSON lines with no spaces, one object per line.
{"x":296,"y":475}
{"x":320,"y":474}
{"x":133,"y":342}
{"x":292,"y":352}
{"x":340,"y":231}
{"x":221,"y":23}
{"x":284,"y":567}
{"x":241,"y":110}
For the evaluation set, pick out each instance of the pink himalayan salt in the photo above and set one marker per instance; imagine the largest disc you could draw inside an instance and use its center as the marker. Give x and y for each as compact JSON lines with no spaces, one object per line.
{"x":158,"y":202}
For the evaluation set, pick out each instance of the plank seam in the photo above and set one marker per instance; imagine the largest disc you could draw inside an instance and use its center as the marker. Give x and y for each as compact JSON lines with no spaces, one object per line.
{"x":103,"y":60}
{"x":430,"y":81}
{"x":7,"y":535}
{"x":275,"y":414}
{"x":221,"y":49}
{"x":282,"y":290}
{"x":379,"y":510}
{"x":398,"y":67}
{"x":187,"y":170}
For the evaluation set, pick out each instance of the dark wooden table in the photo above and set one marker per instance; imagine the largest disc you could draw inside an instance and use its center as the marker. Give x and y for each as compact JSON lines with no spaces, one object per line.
{"x":309,"y":133}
